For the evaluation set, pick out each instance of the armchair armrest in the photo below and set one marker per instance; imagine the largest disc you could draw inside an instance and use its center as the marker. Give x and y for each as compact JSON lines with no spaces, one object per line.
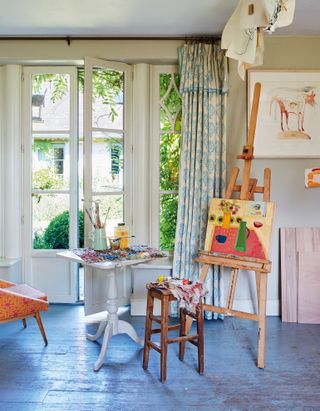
{"x":6,"y":284}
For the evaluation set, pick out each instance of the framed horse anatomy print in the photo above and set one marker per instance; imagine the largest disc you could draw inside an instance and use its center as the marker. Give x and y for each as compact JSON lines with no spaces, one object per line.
{"x":288,"y":119}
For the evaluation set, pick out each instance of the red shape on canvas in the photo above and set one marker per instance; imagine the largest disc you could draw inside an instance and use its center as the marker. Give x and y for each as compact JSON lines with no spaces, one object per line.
{"x":253,"y":249}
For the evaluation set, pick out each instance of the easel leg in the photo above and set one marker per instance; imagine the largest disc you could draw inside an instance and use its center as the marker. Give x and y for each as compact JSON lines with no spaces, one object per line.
{"x":202,"y":279}
{"x":262,"y":304}
{"x":258,"y":286}
{"x":232,"y":288}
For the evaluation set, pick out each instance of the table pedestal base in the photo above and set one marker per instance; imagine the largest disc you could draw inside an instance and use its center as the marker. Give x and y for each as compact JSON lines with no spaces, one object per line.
{"x":109,"y":323}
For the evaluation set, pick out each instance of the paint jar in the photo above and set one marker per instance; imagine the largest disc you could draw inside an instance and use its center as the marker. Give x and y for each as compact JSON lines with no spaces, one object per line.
{"x":99,"y":239}
{"x":122,"y":230}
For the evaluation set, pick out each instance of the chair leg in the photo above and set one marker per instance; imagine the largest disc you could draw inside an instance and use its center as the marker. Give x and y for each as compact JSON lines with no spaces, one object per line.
{"x":164,"y":337}
{"x":43,"y":333}
{"x":24,"y":322}
{"x":200,"y":338}
{"x":182,"y":344}
{"x":147,"y":334}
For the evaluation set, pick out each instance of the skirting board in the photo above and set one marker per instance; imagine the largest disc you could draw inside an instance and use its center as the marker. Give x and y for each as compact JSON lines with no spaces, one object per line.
{"x":273,"y":306}
{"x":138,"y":307}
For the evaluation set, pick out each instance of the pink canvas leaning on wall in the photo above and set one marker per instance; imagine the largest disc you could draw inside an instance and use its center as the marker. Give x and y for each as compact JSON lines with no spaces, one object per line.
{"x":300,"y":279}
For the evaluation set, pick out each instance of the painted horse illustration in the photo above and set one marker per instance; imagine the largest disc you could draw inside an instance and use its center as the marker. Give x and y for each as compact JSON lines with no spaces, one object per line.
{"x":293,"y":102}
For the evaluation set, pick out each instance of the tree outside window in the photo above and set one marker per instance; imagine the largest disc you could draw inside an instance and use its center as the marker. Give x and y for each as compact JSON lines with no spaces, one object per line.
{"x":170,"y":136}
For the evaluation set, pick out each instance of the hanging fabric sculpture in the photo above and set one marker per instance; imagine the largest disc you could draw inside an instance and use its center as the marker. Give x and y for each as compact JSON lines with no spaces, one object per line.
{"x":202,"y":159}
{"x":243,"y":33}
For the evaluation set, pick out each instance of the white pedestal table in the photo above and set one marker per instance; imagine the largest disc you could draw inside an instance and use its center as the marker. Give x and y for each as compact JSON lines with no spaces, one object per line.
{"x":109,"y":322}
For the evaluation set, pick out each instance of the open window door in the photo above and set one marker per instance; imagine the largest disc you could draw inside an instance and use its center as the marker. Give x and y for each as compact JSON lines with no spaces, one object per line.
{"x":50,"y":179}
{"x":107,"y":163}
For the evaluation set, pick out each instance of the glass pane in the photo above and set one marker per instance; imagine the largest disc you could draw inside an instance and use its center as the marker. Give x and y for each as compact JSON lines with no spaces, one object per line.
{"x":111,"y":211}
{"x":168,"y":220}
{"x":50,"y":163}
{"x":107,"y":162}
{"x":170,"y":102}
{"x":169,"y":161}
{"x":50,"y":102}
{"x":50,"y":222}
{"x":165,"y":120}
{"x":107,"y":99}
{"x":165,"y":83}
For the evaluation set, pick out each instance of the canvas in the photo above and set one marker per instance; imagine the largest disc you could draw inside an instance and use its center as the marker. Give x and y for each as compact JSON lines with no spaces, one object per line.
{"x":289,"y":109}
{"x":240,"y":228}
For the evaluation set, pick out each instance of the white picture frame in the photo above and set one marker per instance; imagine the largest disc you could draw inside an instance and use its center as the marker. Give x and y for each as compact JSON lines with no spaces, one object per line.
{"x":288,"y":122}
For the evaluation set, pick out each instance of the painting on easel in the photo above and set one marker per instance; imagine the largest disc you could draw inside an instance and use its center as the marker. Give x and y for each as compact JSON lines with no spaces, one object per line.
{"x":240,"y":227}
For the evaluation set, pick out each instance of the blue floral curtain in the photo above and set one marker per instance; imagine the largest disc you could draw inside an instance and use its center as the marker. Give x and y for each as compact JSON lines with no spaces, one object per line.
{"x":202,"y":159}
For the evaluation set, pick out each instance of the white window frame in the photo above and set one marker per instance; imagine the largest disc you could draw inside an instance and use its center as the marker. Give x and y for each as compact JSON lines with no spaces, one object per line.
{"x":28,"y":250}
{"x":90,"y":64}
{"x":155,"y":191}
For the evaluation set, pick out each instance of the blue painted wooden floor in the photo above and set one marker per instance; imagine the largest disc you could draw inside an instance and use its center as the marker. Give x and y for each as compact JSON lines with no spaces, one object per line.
{"x":60,"y":376}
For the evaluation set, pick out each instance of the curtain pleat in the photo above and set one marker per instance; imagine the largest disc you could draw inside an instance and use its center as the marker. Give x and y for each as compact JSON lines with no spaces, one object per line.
{"x":202,"y":159}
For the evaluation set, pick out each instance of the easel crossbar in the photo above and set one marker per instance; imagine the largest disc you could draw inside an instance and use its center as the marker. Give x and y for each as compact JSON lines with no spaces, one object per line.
{"x":264,"y":266}
{"x":234,"y":313}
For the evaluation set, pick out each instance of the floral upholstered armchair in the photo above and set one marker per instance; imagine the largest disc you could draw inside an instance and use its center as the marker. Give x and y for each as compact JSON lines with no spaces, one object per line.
{"x":19,"y":301}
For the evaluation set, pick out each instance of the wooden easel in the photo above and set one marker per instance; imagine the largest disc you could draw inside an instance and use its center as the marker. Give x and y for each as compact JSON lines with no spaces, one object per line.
{"x":261,"y":267}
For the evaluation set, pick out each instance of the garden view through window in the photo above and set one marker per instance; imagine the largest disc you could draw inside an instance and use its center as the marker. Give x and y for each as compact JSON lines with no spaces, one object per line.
{"x":51,"y":189}
{"x":170,"y":136}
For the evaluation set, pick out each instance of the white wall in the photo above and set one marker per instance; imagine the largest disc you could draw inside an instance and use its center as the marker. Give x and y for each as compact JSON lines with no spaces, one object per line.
{"x":128,"y":51}
{"x":296,"y":206}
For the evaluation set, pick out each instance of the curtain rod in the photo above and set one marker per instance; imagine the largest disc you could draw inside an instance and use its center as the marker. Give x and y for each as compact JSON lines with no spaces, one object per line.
{"x":68,"y":39}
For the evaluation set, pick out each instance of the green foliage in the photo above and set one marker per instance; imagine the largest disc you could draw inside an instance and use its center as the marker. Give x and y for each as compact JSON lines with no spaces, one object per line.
{"x":39,"y":243}
{"x":170,"y":124}
{"x":106,"y":85}
{"x":56,"y":235}
{"x":44,"y":146}
{"x":45,"y":179}
{"x":59,"y":84}
{"x":168,"y":220}
{"x":169,"y":161}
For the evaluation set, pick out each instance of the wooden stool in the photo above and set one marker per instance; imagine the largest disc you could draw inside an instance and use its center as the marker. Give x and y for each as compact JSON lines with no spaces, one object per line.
{"x":165,"y":296}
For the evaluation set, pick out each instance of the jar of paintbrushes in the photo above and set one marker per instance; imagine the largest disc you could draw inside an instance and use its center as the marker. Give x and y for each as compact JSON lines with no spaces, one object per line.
{"x":99,"y":240}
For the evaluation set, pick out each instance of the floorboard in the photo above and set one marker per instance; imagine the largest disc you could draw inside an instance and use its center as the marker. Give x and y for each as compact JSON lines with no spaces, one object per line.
{"x":60,"y":376}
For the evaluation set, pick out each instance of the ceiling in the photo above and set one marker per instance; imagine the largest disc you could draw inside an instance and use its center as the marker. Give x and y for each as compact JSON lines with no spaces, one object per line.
{"x":135,"y":18}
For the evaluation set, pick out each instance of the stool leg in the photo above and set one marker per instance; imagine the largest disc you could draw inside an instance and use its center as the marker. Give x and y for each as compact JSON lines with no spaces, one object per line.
{"x":182,"y":344}
{"x":200,"y":338}
{"x":147,"y":334}
{"x":164,"y":337}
